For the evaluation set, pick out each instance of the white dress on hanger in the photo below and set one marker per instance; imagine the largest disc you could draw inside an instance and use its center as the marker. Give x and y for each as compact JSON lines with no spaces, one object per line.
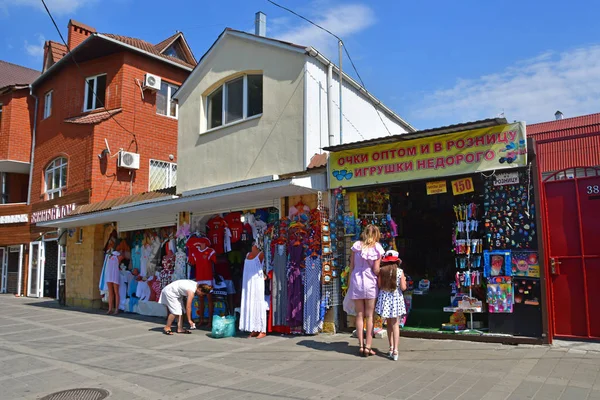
{"x":253,"y":310}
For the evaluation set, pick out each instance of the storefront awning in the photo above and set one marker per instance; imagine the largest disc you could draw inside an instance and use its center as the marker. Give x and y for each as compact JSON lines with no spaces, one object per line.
{"x":235,"y":198}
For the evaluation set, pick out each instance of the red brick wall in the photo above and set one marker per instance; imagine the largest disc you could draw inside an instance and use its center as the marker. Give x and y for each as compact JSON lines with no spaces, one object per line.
{"x":16,"y":125}
{"x":77,"y":35}
{"x":81,"y":144}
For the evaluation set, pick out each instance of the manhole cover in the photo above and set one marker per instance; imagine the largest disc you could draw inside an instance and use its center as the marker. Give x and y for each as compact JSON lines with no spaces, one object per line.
{"x":78,"y":394}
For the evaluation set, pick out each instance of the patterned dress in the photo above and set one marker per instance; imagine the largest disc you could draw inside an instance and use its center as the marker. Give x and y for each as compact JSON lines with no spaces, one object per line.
{"x":391,"y":304}
{"x":312,"y":295}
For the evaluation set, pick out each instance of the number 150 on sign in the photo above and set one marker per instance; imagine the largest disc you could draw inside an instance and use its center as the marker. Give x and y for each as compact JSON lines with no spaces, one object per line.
{"x":462,"y":186}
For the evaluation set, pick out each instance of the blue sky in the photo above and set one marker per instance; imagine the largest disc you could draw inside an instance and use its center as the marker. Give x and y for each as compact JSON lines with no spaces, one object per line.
{"x":434,"y":62}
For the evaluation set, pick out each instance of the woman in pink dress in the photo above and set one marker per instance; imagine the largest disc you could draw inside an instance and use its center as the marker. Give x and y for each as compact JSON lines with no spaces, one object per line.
{"x":364,"y":268}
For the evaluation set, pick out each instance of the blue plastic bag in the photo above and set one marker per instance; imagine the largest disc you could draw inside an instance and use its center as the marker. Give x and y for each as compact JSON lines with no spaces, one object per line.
{"x":223,"y":327}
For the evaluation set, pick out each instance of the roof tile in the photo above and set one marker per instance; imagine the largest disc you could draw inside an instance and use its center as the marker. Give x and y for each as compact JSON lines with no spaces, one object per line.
{"x":146,"y":46}
{"x":318,"y":161}
{"x":16,"y":75}
{"x":94,"y":117}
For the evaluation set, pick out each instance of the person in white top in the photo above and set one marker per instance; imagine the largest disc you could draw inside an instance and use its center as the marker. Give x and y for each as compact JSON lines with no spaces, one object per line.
{"x":172,"y":297}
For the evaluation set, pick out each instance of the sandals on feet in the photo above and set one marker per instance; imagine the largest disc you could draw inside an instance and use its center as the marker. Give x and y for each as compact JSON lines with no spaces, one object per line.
{"x":185,"y":332}
{"x":394,"y":355}
{"x":369,"y":352}
{"x":167,"y":332}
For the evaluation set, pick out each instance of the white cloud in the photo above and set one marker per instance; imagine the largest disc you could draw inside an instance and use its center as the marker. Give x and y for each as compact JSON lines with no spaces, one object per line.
{"x":36,"y":50}
{"x":342,"y":20}
{"x":531,"y":90}
{"x":56,"y":7}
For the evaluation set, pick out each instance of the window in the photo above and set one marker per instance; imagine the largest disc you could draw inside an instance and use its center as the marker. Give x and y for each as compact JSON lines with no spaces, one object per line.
{"x":95,"y":92}
{"x":162,"y":175}
{"x":48,"y":104}
{"x":235,"y":100}
{"x":0,"y":115}
{"x":56,"y":178}
{"x":165,"y":104}
{"x":174,"y":51}
{"x":4,"y":198}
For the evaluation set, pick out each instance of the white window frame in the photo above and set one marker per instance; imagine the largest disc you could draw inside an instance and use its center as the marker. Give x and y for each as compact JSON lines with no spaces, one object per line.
{"x":169,"y":173}
{"x":51,"y":170}
{"x":48,"y":104}
{"x":223,"y":87}
{"x":95,"y":90}
{"x":170,"y":92}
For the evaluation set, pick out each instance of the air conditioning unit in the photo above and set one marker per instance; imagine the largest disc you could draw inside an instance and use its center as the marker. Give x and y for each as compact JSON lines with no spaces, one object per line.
{"x":129,"y":160}
{"x":152,"y":82}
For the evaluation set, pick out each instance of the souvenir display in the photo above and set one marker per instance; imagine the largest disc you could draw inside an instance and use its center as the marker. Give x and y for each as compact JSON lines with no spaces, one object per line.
{"x":500,"y":295}
{"x":527,"y":291}
{"x":525,"y":263}
{"x":497,"y":263}
{"x":510,"y":214}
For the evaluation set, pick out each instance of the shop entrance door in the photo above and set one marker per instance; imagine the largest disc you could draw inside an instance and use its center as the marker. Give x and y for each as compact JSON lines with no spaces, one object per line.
{"x":35,"y":280}
{"x":4,"y":270}
{"x":572,"y":201}
{"x":14,"y":259}
{"x":51,"y":268}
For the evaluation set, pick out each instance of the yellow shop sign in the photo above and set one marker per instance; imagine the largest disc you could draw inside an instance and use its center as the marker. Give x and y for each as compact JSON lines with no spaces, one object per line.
{"x":496,"y":148}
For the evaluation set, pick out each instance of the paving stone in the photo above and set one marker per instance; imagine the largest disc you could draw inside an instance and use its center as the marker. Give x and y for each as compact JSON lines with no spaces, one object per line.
{"x":54,"y":348}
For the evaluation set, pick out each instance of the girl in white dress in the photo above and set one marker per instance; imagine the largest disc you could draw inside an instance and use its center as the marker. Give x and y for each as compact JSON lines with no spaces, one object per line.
{"x":253,"y":310}
{"x":390,"y":301}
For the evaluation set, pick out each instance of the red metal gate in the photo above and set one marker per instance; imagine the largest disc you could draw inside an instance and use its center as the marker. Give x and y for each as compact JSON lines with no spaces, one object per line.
{"x":572,"y":215}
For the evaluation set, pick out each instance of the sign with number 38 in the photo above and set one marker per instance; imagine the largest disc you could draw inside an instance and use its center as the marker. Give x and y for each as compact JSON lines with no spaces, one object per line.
{"x":593,"y":189}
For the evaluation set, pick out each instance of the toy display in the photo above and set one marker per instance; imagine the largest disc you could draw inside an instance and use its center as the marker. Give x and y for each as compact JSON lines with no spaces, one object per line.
{"x":500,"y":294}
{"x":527,"y":291}
{"x":497,"y":263}
{"x":510,"y":214}
{"x":525,"y":263}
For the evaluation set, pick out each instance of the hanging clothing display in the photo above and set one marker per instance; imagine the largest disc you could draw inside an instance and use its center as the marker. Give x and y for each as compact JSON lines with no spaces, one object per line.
{"x":113,"y":274}
{"x":279,"y":284}
{"x":289,"y":301}
{"x":216,"y":233}
{"x":253,"y":310}
{"x":295,"y":296}
{"x":312,"y":295}
{"x":136,"y":257}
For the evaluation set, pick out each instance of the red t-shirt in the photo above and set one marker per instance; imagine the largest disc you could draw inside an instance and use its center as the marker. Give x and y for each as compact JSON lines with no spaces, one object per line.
{"x":216,"y":233}
{"x":203,"y":260}
{"x":234,"y":223}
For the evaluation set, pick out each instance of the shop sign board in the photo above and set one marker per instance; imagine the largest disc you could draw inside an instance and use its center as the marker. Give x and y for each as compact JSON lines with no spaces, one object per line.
{"x":508,"y":178}
{"x":462,"y":186}
{"x":14,"y":219}
{"x":51,"y":214}
{"x":495,"y":148}
{"x":436,"y":187}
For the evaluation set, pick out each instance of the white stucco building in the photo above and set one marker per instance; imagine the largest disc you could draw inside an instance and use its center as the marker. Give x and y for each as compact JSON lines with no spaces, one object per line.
{"x":255,"y":107}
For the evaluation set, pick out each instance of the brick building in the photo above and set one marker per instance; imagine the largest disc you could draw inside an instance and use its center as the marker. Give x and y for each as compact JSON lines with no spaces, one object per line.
{"x":16,"y":113}
{"x":107,"y":103}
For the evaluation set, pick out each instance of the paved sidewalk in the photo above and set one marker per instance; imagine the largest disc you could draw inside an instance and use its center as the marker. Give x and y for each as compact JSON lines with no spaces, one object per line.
{"x":47,"y":349}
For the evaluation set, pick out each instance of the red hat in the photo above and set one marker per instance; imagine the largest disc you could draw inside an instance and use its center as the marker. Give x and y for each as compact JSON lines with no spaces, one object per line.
{"x":391,"y":256}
